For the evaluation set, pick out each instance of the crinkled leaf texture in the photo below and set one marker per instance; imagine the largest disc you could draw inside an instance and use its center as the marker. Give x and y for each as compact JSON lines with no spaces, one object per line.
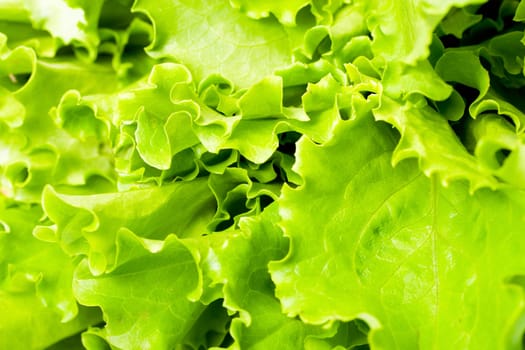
{"x":89,"y":224}
{"x":144,"y":145}
{"x":211,"y":37}
{"x":36,"y":298}
{"x":238,"y":262}
{"x":425,"y":266}
{"x":38,"y":152}
{"x":146,"y":298}
{"x":402,"y":30}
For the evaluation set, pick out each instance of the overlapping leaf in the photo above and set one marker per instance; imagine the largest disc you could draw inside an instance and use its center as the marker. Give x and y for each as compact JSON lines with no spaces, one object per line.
{"x":395,"y":248}
{"x":35,"y":286}
{"x":143,"y":145}
{"x":253,"y":50}
{"x":260,"y":323}
{"x":149,"y":298}
{"x":89,"y":224}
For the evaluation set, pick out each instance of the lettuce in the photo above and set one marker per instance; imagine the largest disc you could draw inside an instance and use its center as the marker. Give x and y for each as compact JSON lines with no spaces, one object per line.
{"x":304,"y":174}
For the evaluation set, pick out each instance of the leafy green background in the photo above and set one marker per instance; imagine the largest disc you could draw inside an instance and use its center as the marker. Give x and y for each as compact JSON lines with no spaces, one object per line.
{"x":308,"y":174}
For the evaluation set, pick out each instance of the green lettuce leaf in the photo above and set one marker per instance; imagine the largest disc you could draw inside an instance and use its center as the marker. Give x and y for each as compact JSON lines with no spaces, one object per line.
{"x":71,"y":21}
{"x":505,"y":55}
{"x":150,"y":298}
{"x":32,"y":325}
{"x":285,"y":12}
{"x":402,"y":31}
{"x":394,"y":248}
{"x":231,"y":174}
{"x":45,"y":153}
{"x":89,"y":224}
{"x":238,"y":196}
{"x":420,"y":128}
{"x":259,"y":322}
{"x":244,"y":50}
{"x":36,"y":297}
{"x":499,"y":148}
{"x":458,"y":20}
